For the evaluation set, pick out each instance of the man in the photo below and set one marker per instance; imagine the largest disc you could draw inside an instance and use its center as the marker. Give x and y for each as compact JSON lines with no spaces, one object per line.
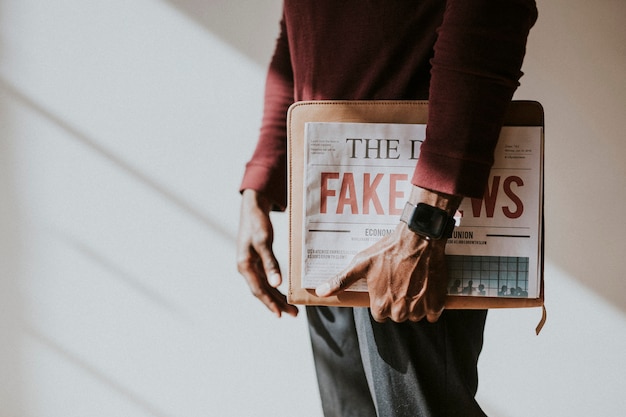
{"x":405,"y":356}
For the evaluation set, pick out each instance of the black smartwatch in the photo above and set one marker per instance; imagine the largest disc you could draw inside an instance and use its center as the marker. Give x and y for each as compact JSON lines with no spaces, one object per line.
{"x":428,"y":221}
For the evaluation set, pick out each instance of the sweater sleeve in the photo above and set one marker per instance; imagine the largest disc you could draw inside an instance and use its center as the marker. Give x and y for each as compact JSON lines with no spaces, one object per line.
{"x":266,"y":171}
{"x":475,"y":71}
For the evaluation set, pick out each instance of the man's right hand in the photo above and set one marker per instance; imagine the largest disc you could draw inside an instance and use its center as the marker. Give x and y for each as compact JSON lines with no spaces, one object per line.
{"x":255,"y":258}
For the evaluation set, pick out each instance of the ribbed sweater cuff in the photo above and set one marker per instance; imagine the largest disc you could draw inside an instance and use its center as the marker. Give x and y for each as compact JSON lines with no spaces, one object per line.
{"x":266,"y":181}
{"x":451,"y":176}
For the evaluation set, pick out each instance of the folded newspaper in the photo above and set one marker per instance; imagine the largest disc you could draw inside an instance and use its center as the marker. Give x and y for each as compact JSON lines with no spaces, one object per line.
{"x":356,"y":179}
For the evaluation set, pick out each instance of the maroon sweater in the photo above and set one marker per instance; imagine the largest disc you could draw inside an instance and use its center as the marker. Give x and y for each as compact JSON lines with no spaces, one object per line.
{"x":463,"y":55}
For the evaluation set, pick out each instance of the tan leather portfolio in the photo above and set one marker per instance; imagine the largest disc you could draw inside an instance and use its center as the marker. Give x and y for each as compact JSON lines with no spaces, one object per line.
{"x":520,"y":113}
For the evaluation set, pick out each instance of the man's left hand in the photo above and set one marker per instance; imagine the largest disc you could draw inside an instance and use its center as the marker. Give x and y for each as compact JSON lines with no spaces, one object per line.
{"x":406,"y":273}
{"x":406,"y":277}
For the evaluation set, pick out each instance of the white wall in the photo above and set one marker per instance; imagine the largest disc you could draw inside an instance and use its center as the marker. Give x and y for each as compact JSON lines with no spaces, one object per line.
{"x":124,"y":128}
{"x":575,"y":66}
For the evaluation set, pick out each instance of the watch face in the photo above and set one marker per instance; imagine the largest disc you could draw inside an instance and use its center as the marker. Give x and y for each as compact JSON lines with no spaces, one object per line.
{"x":428,"y":220}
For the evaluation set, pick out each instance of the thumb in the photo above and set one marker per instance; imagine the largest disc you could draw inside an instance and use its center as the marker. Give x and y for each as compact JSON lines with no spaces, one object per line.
{"x":341,"y":281}
{"x":270,"y":265}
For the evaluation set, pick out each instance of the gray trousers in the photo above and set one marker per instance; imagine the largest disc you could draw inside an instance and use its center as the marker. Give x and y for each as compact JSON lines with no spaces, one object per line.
{"x":370,"y":369}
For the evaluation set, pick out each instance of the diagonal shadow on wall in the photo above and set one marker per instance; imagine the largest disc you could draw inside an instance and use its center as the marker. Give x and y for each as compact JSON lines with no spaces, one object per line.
{"x":249,"y":28}
{"x":123,"y":165}
{"x":133,"y":283}
{"x":91,"y":370}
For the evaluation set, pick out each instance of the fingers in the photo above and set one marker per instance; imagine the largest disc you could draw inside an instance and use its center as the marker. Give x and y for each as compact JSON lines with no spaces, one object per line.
{"x":331,"y":287}
{"x":343,"y":280}
{"x":270,"y":265}
{"x":277,"y":303}
{"x":262,"y":274}
{"x":432,"y":318}
{"x":434,"y":307}
{"x":408,"y":309}
{"x":255,"y":258}
{"x":381,"y":311}
{"x":271,"y":297}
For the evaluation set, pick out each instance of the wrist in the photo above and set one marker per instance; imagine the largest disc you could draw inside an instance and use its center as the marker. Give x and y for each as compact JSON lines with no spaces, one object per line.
{"x":430,"y":214}
{"x":255,"y":199}
{"x":447,"y":202}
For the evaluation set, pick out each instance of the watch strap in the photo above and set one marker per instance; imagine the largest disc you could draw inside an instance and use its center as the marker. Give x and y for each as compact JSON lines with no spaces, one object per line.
{"x":445,"y":232}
